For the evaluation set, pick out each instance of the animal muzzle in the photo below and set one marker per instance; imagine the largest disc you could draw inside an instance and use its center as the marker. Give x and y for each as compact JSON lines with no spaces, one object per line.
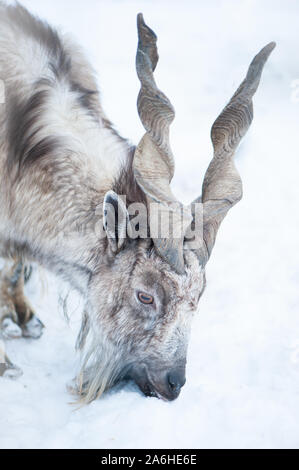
{"x":164,"y":385}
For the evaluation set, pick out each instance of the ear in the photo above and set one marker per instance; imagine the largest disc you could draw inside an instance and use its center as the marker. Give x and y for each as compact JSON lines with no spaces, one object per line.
{"x":115,"y":220}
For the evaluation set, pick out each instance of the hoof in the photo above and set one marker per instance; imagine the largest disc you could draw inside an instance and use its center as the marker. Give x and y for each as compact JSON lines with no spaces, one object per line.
{"x":10,"y":330}
{"x":33,"y":328}
{"x":10,"y":371}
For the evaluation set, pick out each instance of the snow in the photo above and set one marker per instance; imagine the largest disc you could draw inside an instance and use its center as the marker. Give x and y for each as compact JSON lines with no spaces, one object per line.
{"x":242,"y":385}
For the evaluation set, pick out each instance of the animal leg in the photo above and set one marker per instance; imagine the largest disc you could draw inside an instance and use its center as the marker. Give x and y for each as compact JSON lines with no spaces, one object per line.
{"x":17,"y":317}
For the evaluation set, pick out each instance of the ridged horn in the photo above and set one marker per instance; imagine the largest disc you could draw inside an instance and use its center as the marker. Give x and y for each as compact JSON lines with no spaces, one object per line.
{"x":153,"y":160}
{"x":222,"y":185}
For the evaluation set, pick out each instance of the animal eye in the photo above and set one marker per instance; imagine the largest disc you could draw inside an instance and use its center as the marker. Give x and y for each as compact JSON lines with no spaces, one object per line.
{"x":145,"y":298}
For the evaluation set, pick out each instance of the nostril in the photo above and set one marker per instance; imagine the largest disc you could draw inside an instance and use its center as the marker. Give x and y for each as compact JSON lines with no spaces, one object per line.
{"x":174,"y":383}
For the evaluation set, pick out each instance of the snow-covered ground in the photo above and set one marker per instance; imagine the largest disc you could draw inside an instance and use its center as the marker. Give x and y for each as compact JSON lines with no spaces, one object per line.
{"x":242,"y":385}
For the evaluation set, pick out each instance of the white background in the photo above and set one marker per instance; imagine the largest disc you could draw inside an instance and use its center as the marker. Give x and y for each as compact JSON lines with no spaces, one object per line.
{"x":242,"y":385}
